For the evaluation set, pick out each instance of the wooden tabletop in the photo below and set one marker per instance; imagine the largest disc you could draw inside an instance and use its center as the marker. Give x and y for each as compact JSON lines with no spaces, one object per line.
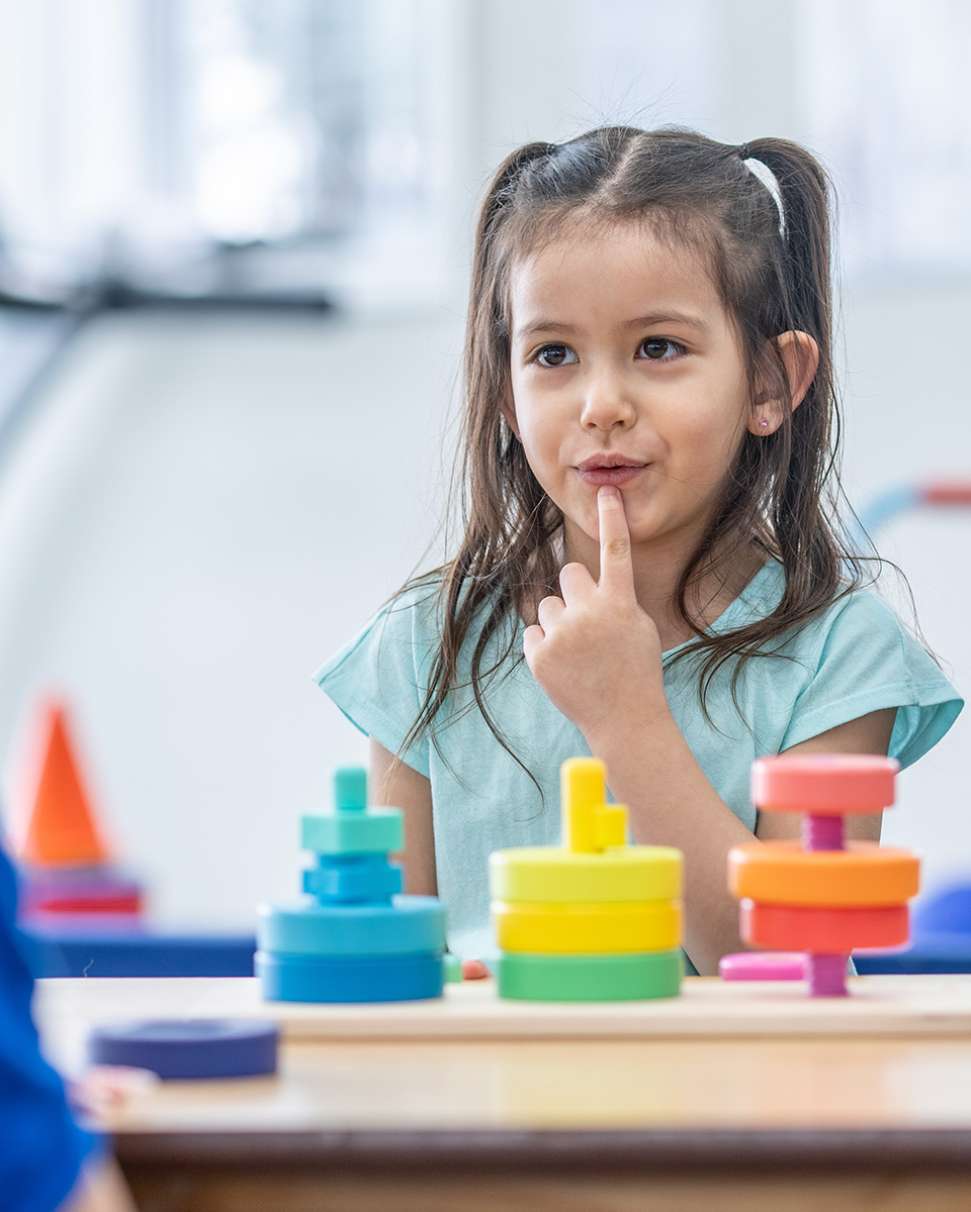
{"x":703,"y":1103}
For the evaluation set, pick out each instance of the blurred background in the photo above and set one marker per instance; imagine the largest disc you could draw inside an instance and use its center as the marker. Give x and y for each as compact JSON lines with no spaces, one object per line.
{"x":234,"y":249}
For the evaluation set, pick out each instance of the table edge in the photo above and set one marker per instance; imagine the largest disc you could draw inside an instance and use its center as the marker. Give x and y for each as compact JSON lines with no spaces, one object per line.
{"x":871,"y":1149}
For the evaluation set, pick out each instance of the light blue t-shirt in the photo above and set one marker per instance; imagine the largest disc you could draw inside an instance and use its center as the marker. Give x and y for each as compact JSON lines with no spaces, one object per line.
{"x":853,"y":658}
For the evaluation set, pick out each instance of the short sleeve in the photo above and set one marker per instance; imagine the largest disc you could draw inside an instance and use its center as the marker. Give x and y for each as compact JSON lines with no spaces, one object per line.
{"x":378,"y":677}
{"x":42,"y":1148}
{"x":867,"y":661}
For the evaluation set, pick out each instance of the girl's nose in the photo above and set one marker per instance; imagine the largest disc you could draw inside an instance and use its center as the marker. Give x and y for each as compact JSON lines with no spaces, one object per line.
{"x":606,"y":406}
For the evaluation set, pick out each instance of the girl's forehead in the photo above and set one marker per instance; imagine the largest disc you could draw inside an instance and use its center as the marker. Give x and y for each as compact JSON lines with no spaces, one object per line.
{"x":610,"y":272}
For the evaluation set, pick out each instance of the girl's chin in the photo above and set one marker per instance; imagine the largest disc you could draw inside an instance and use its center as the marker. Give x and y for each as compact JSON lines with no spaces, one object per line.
{"x":640,"y":528}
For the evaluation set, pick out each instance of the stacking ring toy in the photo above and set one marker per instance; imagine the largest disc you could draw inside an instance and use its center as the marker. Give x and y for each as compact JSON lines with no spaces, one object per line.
{"x":594,"y":919}
{"x":824,"y":898}
{"x":354,"y":938}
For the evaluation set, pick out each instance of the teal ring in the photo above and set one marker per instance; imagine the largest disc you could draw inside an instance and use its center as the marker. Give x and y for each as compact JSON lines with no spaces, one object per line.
{"x":377,"y":831}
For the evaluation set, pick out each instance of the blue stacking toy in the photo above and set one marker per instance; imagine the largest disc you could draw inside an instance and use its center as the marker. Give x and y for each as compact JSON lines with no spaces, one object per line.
{"x":353,"y":937}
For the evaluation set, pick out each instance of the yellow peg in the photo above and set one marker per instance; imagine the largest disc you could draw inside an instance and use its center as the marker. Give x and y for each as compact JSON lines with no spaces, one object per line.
{"x":590,"y":825}
{"x":612,"y":825}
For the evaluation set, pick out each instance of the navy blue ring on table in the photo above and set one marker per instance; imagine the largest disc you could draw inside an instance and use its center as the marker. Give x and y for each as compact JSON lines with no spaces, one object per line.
{"x":189,"y":1049}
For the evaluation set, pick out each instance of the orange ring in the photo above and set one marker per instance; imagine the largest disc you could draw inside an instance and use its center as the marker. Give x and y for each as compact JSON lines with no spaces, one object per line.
{"x":826,"y":783}
{"x":823,"y":931}
{"x":782,"y":873}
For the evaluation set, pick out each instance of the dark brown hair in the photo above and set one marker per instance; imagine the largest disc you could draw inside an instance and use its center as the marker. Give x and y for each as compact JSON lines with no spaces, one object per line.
{"x":782,"y":493}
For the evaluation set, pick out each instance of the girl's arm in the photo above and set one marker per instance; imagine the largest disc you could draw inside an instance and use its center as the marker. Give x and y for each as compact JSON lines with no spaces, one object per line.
{"x":399,"y":786}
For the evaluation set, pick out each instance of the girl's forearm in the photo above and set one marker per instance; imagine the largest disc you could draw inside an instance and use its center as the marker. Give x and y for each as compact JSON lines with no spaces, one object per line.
{"x":651,"y":769}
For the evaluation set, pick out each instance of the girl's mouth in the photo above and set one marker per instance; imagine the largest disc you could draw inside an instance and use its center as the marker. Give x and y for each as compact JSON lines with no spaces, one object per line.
{"x":610,"y":475}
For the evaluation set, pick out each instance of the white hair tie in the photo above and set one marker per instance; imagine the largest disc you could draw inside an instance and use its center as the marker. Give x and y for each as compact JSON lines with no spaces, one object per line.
{"x":768,"y":179}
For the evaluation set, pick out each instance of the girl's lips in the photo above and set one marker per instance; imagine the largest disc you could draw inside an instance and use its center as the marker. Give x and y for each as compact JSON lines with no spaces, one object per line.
{"x":610,"y":475}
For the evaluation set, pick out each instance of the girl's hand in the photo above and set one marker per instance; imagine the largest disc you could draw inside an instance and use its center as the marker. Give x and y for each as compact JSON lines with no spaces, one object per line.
{"x":595,"y":652}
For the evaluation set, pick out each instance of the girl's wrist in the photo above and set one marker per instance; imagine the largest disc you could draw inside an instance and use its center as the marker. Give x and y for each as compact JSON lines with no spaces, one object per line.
{"x":625,"y":729}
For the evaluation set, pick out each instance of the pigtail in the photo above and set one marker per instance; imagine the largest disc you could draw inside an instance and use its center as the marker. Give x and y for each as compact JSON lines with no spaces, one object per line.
{"x":503,"y":184}
{"x":807,"y":199}
{"x":803,"y":282}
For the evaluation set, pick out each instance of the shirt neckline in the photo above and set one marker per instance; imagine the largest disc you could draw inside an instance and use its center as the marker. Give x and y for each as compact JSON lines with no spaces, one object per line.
{"x":733,"y":607}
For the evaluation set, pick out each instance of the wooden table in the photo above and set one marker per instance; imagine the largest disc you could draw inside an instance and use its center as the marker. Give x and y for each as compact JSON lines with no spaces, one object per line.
{"x":726,"y":1098}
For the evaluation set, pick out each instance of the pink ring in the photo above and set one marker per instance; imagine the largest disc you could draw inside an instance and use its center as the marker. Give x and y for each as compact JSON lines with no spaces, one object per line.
{"x":763,"y":966}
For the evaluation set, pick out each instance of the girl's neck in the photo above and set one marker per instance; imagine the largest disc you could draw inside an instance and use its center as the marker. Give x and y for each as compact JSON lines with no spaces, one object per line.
{"x":656,"y":574}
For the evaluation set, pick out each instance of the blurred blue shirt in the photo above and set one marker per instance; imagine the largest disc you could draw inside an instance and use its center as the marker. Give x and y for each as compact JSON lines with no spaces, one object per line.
{"x":42,"y":1149}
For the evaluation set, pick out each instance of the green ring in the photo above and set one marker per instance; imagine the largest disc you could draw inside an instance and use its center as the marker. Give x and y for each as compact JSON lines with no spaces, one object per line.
{"x":377,"y":831}
{"x":590,"y":978}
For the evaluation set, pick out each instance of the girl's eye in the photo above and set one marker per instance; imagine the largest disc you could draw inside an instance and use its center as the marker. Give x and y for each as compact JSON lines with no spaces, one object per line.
{"x":648,"y":342}
{"x":541,"y":353}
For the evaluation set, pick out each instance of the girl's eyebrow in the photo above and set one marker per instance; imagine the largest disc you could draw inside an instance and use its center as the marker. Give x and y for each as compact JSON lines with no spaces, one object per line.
{"x":668,"y":316}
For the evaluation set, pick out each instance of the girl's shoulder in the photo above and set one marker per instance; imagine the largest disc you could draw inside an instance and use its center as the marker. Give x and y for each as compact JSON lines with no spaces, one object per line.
{"x":400,"y":631}
{"x":858,"y":617}
{"x":858,"y":655}
{"x":378,"y":677}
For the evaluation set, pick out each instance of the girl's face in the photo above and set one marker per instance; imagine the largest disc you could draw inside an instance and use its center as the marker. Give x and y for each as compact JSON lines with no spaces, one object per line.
{"x":620,"y":345}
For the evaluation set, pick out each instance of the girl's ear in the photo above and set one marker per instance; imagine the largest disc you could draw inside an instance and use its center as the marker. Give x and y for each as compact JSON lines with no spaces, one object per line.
{"x":800,"y":355}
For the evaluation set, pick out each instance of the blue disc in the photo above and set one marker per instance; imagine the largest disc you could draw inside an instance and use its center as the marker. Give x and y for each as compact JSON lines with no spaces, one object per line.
{"x":361,"y":878}
{"x":188,"y":1048}
{"x":407,"y":924}
{"x":341,"y":978}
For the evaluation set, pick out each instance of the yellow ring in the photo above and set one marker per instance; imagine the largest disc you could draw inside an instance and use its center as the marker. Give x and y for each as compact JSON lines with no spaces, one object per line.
{"x":587,"y":929}
{"x":548,"y":875}
{"x":782,"y":873}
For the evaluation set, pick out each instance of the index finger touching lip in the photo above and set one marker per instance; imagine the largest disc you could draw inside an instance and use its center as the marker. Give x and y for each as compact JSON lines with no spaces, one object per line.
{"x":616,"y":569}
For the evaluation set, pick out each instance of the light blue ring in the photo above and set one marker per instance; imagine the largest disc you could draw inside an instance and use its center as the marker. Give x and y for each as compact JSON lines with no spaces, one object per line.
{"x":389,"y":978}
{"x":409,"y":923}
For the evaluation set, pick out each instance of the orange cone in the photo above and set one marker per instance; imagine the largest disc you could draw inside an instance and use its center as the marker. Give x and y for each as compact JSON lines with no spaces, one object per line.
{"x":54,"y":802}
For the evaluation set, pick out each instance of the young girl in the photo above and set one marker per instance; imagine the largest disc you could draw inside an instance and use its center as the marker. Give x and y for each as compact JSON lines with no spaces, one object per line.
{"x":652,"y":570}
